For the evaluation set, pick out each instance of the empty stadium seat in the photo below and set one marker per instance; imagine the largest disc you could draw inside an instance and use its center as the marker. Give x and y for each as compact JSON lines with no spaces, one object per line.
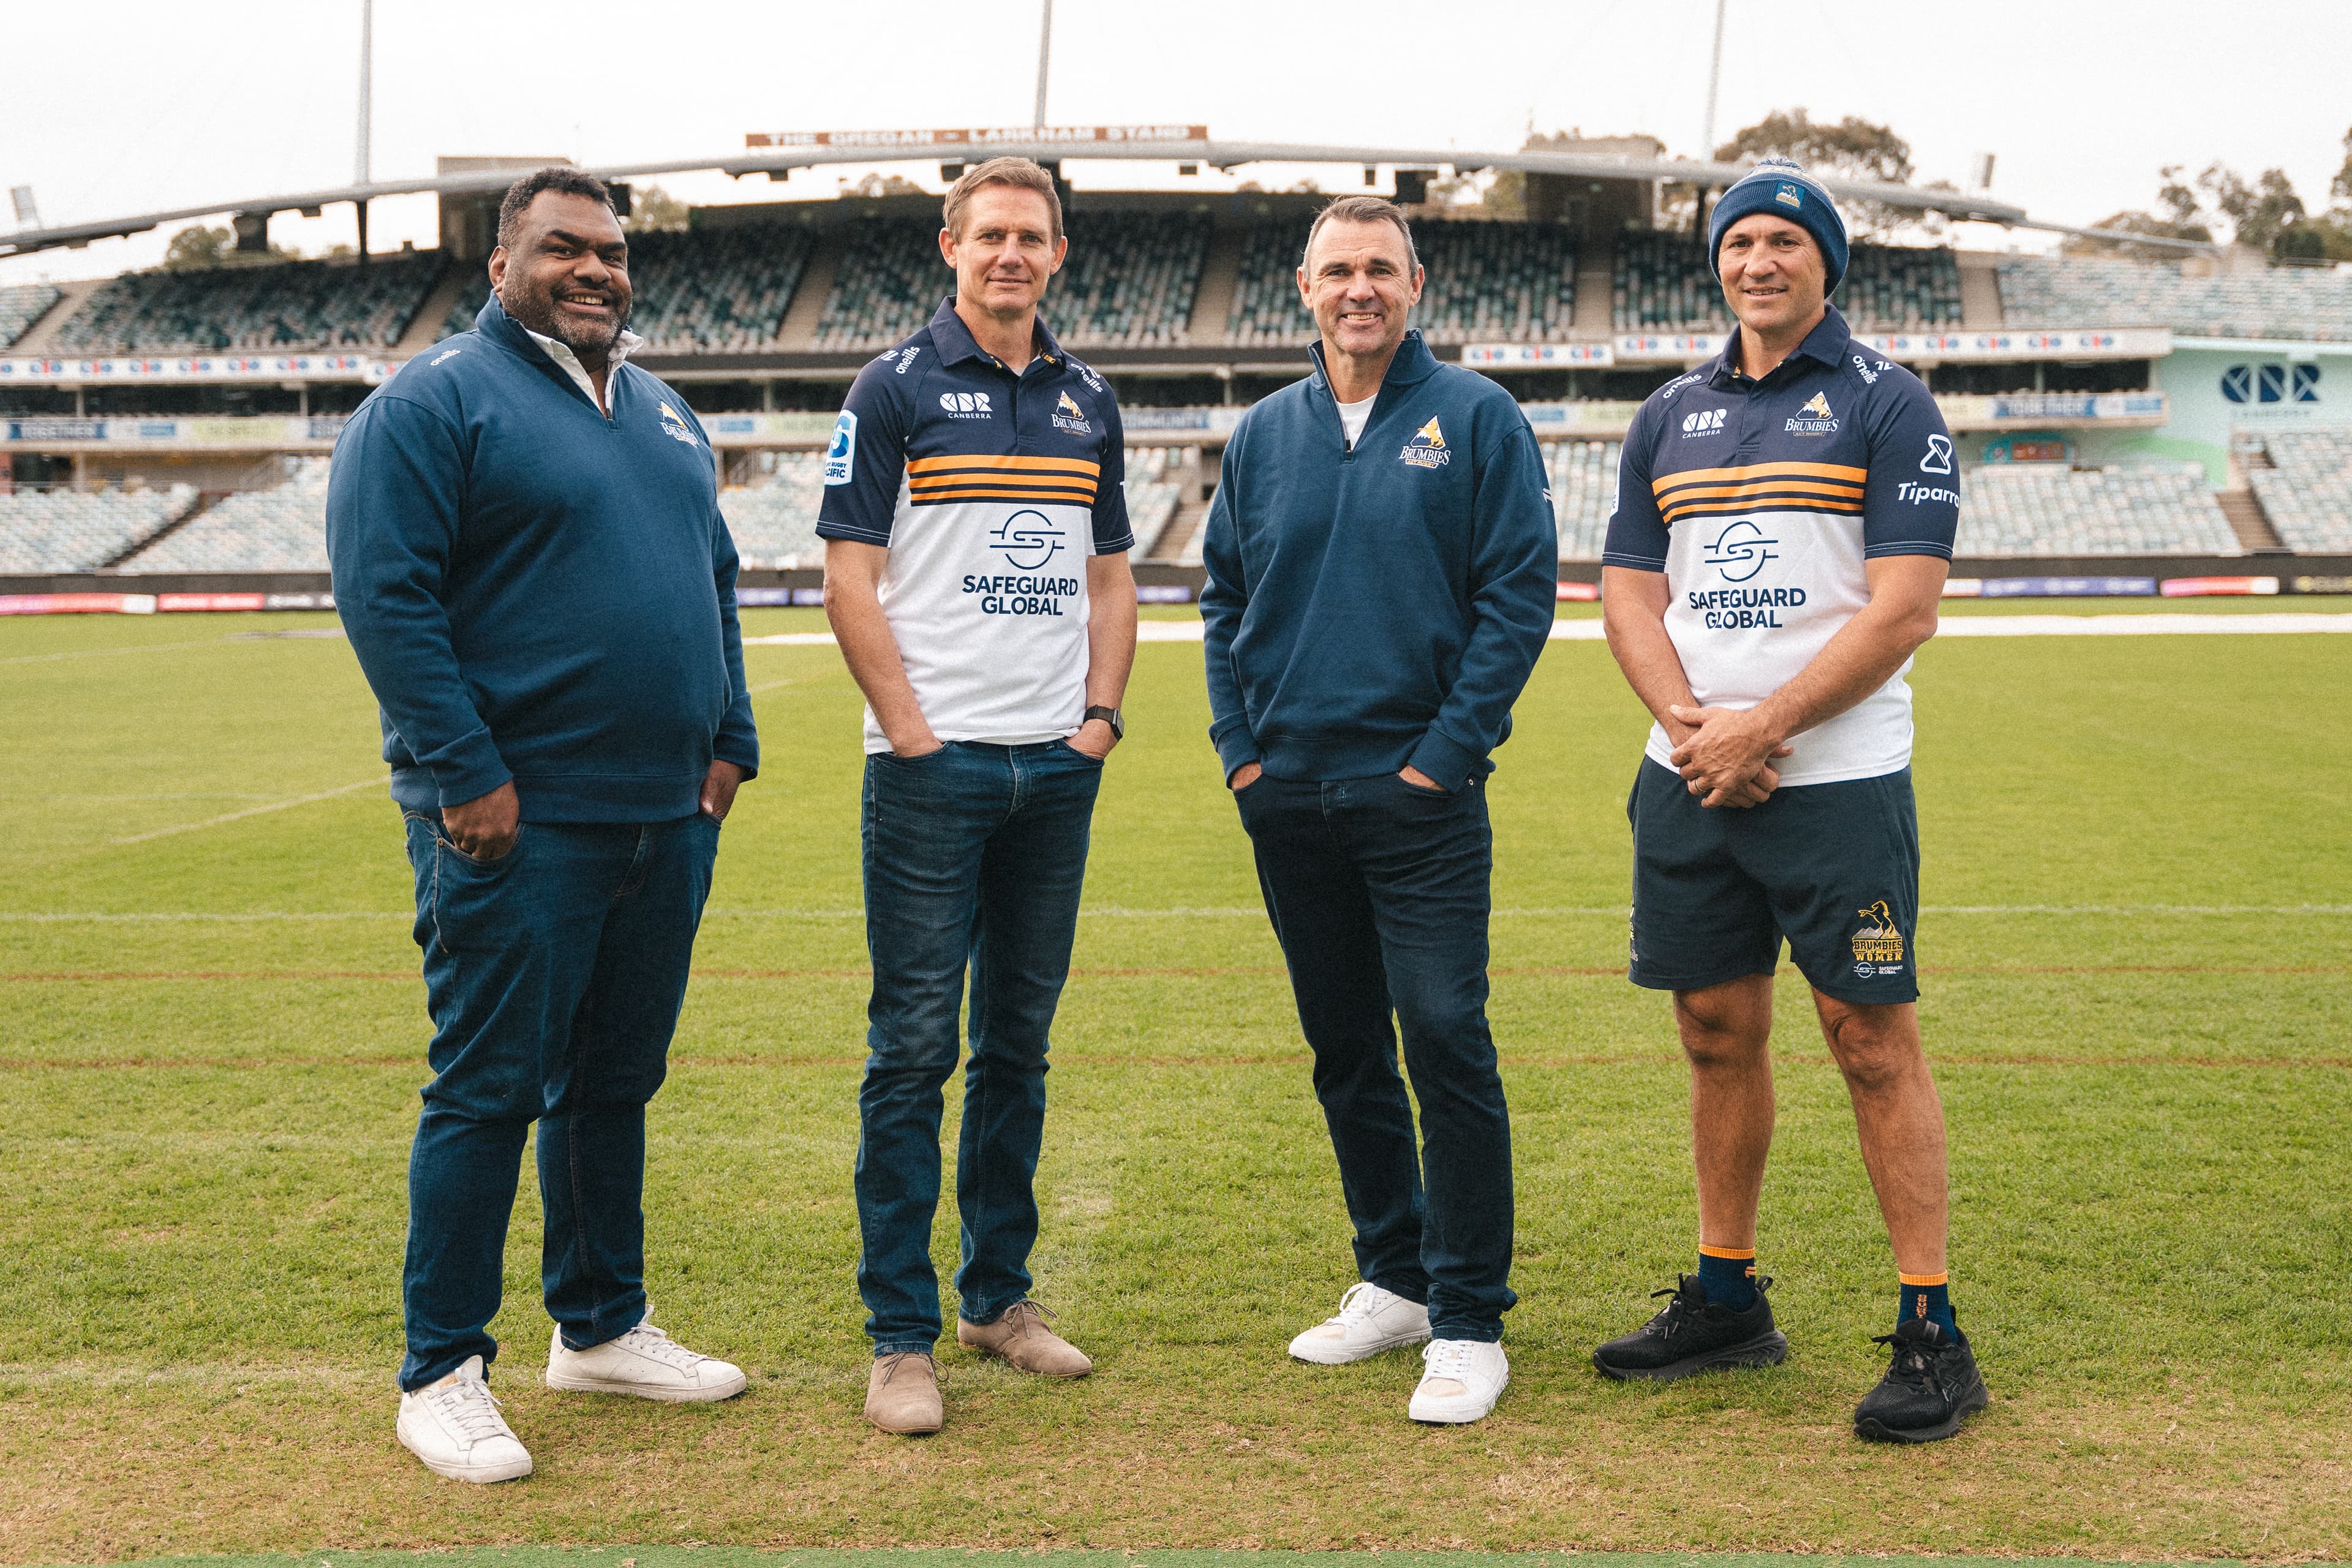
{"x":1130,"y":278}
{"x":721,"y":290}
{"x":2047,"y":509}
{"x":64,"y":530}
{"x":1265,"y":308}
{"x":22,"y":305}
{"x":891,"y":279}
{"x":294,"y":305}
{"x":283,"y":529}
{"x":2102,"y":291}
{"x":774,"y":522}
{"x":1495,"y":282}
{"x":2308,"y":496}
{"x":1584,"y":494}
{"x":1662,"y":282}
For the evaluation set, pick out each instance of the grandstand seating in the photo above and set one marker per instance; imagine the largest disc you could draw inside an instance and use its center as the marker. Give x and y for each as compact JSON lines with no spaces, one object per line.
{"x":64,"y":531}
{"x":721,"y":290}
{"x":21,"y":306}
{"x":2046,"y":509}
{"x":1584,"y":494}
{"x":1152,"y":495}
{"x":2092,"y":291}
{"x":1265,"y":308}
{"x":774,"y":522}
{"x":2308,"y":496}
{"x":1497,"y":282}
{"x":283,"y":529}
{"x":1660,"y":281}
{"x":1129,"y":279}
{"x":465,"y":308}
{"x":890,"y":281}
{"x":264,"y":308}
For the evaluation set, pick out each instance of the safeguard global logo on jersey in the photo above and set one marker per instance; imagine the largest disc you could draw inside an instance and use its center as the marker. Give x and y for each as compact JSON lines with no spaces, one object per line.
{"x":1028,"y":541}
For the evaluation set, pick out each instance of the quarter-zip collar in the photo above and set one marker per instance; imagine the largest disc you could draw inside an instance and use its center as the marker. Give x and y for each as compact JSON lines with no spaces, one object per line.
{"x":1825,"y":343}
{"x":956,"y":343}
{"x":496,"y":325}
{"x":1411,"y":364}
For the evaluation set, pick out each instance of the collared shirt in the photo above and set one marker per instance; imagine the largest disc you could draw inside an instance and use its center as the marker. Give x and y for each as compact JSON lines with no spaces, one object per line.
{"x":627,"y":344}
{"x":992,"y":490}
{"x":1761,"y":499}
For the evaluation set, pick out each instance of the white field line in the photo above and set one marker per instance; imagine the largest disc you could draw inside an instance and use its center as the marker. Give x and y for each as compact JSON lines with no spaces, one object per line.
{"x":103,"y":652}
{"x":1949,"y":626}
{"x":1114,"y":911}
{"x":252,"y":811}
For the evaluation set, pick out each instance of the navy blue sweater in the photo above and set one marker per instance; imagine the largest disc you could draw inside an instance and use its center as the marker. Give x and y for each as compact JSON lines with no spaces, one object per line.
{"x":537,"y":590}
{"x":1372,"y":608}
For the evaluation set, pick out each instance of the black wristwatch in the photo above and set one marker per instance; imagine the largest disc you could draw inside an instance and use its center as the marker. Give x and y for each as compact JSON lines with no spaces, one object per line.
{"x":1110,"y":717}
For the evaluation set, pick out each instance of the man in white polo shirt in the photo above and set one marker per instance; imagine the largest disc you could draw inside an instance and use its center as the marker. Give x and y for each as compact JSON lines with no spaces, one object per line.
{"x":976,"y":576}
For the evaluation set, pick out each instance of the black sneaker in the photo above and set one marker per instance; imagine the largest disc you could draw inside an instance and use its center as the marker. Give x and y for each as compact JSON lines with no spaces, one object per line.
{"x":1695,"y":1334}
{"x":1931,"y":1388}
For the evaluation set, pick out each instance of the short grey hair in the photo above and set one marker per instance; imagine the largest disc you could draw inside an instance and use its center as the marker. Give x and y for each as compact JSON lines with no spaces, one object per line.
{"x":1361,"y":209}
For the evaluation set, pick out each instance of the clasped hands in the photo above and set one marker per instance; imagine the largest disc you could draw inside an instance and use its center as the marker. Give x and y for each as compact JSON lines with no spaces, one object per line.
{"x":1726,"y":758}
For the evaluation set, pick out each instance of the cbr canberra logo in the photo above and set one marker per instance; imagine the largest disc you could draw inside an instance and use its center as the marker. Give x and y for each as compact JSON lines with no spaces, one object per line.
{"x":966,"y":404}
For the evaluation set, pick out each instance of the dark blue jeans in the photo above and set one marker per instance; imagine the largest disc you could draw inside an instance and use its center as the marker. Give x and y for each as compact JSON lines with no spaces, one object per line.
{"x":975,"y":858}
{"x":1379,"y":892}
{"x":553,"y":976}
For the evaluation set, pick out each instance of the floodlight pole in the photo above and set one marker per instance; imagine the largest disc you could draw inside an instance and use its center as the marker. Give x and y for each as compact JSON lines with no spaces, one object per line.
{"x":361,"y":160}
{"x":1714,"y":80}
{"x":1045,"y":51}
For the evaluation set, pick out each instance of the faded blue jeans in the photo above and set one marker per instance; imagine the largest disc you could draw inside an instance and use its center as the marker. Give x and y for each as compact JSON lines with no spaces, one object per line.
{"x":554,"y":976}
{"x":975,"y":858}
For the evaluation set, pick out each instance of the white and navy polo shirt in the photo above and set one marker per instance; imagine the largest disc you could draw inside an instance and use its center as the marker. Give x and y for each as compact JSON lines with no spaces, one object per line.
{"x":992,"y":490}
{"x":1761,"y":501}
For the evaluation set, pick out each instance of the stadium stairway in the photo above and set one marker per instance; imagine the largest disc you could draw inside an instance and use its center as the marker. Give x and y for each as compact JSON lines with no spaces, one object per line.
{"x":1213,"y":301}
{"x":1980,"y":291}
{"x":425,"y":330}
{"x":1595,"y":314}
{"x":36,"y":341}
{"x":205,"y":501}
{"x":2247,"y":521}
{"x":797,"y":332}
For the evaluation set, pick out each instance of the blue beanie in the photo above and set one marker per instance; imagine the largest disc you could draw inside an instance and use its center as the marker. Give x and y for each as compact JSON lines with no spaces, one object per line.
{"x":1781,"y":186}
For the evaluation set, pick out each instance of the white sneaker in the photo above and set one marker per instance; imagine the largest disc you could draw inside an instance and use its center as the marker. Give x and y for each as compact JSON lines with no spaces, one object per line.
{"x":1460,"y":1381}
{"x":453,"y":1425}
{"x":1370,"y":1320}
{"x":644,"y":1362}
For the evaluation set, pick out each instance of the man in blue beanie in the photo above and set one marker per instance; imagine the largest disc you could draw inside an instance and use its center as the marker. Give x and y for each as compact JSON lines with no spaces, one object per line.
{"x":1784,"y":521}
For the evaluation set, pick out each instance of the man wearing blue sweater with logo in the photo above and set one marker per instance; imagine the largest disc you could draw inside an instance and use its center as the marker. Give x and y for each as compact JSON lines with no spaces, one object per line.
{"x":1381,"y":557}
{"x":530,"y":564}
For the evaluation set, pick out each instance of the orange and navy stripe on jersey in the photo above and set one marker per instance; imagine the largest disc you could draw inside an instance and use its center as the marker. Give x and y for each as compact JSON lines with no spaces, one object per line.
{"x":1759,"y":487}
{"x":935,"y":482}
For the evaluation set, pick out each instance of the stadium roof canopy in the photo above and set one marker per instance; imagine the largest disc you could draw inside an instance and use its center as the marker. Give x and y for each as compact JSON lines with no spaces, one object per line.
{"x":1953,"y":204}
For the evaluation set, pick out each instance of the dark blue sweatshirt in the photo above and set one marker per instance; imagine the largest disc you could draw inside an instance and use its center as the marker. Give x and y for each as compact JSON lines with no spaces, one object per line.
{"x":1372,"y":608}
{"x":538,"y":590}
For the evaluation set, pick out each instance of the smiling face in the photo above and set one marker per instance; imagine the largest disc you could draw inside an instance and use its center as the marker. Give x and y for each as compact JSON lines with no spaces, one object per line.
{"x":1773,"y":275}
{"x":1006,"y":251}
{"x":1361,"y":284}
{"x":566,"y":276}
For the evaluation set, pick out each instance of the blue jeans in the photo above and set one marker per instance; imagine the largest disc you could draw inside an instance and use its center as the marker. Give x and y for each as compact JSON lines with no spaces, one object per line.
{"x":553,"y":976}
{"x":975,"y":858}
{"x":1378,"y":893}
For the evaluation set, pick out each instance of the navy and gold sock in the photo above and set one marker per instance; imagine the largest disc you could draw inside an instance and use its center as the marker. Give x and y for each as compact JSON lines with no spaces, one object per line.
{"x":1928,"y":1296}
{"x":1727,"y":1274}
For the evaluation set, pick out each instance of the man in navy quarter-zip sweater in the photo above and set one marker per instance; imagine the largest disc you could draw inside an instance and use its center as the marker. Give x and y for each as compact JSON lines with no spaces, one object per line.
{"x":530,"y":564}
{"x":1381,"y":557}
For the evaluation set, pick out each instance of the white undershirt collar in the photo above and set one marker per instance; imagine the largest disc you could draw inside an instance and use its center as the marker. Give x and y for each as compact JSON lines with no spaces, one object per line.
{"x":556,"y":349}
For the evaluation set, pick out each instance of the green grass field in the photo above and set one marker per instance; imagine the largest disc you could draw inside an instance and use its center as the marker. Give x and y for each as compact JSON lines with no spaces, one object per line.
{"x":2136,"y":953}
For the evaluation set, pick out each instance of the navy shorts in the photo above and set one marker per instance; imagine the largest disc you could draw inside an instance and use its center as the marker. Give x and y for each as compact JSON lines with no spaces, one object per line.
{"x":1833,"y":868}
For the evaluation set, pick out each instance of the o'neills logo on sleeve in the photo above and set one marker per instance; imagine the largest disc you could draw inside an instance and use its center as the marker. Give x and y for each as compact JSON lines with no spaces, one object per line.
{"x":1427,"y":449}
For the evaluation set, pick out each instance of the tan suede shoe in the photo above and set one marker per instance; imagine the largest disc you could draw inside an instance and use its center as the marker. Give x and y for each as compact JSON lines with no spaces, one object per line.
{"x":1021,"y":1337}
{"x":902,"y":1394}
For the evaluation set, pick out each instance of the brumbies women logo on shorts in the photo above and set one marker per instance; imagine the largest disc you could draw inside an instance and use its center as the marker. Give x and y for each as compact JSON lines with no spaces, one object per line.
{"x":1878,"y":945}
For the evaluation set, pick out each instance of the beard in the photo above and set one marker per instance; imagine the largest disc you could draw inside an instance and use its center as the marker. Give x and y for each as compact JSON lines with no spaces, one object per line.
{"x":533,"y":305}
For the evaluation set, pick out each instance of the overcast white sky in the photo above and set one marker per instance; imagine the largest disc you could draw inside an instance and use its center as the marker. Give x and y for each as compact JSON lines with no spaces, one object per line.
{"x":142,"y":105}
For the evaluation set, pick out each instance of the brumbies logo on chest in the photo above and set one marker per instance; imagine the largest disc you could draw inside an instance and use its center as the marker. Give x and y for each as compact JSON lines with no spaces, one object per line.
{"x":1814,"y":418}
{"x":1427,"y":449}
{"x":676,"y":428}
{"x":1068,"y":416}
